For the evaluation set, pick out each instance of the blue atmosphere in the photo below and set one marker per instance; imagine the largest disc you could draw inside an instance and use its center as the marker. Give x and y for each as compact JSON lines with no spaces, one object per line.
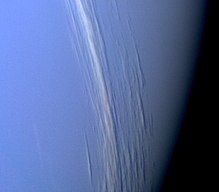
{"x":92,"y":91}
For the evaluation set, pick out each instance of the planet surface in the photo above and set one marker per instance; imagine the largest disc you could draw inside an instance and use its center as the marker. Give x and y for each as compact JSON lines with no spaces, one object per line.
{"x":93,"y":92}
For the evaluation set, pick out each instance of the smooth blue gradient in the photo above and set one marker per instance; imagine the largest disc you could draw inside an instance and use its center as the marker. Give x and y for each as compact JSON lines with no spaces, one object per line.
{"x":41,"y":101}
